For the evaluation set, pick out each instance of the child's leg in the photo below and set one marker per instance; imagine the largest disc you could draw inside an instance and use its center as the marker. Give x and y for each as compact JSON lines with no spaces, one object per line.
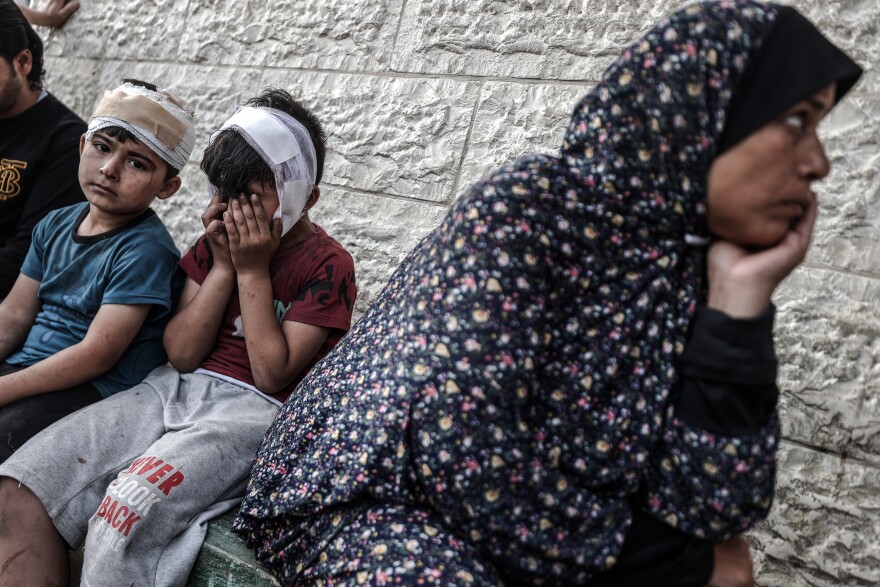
{"x":32,"y":552}
{"x":395,"y":545}
{"x":55,"y":482}
{"x":22,"y":420}
{"x":148,"y":527}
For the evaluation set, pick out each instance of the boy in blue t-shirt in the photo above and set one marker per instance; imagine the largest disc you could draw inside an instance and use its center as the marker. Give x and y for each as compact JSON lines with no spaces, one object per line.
{"x":86,"y":314}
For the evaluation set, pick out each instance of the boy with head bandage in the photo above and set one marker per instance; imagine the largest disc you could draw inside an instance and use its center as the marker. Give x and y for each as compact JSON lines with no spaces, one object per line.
{"x":85,"y":317}
{"x":268,"y":294}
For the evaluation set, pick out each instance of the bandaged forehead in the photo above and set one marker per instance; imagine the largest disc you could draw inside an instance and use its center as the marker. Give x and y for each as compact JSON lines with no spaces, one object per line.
{"x":143,"y":112}
{"x":273,"y":138}
{"x":159,"y":123}
{"x":286,"y":147}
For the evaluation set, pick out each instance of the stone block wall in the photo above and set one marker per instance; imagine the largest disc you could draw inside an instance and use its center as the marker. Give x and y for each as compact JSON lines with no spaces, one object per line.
{"x":422,"y":97}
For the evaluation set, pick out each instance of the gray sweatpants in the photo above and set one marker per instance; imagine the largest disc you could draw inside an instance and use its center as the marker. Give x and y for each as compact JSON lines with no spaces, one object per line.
{"x":139,"y":475}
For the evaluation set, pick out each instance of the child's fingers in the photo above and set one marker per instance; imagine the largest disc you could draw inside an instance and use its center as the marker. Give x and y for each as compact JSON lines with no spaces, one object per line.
{"x":214,"y":210}
{"x":262,"y":222}
{"x":238,"y":217}
{"x":215,"y":227}
{"x":217,"y":232}
{"x":229,"y":223}
{"x":247,"y":212}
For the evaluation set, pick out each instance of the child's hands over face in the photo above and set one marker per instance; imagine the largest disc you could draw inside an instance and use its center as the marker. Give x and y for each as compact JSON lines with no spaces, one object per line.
{"x":253,"y":236}
{"x":215,"y":230}
{"x":214,"y":211}
{"x":741,"y":281}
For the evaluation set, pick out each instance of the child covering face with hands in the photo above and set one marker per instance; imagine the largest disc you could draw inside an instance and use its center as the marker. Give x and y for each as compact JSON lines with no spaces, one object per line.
{"x":267,"y":294}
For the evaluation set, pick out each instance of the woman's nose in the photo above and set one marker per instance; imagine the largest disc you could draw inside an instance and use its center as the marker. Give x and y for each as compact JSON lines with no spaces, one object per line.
{"x":815,"y":164}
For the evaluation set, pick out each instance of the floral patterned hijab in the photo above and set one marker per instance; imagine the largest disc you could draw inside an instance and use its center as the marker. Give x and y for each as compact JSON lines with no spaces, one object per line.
{"x":535,"y":335}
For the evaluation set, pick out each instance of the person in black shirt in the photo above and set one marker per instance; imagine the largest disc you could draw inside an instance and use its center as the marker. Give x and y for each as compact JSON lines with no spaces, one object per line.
{"x":39,"y":143}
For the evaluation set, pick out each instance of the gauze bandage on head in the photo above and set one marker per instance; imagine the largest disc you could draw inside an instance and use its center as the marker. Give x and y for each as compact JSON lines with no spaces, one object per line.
{"x":286,"y":147}
{"x":161,"y":125}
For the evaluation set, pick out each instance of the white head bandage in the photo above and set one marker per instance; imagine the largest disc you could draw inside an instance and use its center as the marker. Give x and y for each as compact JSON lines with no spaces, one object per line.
{"x":286,"y":147}
{"x":160,"y":124}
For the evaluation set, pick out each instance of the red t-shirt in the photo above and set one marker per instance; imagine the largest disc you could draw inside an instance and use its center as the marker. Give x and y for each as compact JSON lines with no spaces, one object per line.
{"x":312,"y":282}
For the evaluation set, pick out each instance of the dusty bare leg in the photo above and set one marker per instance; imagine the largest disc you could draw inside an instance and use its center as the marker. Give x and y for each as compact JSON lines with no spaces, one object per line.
{"x":32,"y":551}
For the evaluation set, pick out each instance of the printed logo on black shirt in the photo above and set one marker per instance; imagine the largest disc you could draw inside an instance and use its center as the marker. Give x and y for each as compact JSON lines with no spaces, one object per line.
{"x":10,"y":178}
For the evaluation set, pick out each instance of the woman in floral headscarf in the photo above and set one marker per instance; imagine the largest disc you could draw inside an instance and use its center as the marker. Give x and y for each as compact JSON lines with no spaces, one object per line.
{"x":564,"y":383}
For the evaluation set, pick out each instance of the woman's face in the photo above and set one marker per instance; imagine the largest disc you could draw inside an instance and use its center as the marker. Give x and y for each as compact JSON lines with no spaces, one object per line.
{"x":761,"y":187}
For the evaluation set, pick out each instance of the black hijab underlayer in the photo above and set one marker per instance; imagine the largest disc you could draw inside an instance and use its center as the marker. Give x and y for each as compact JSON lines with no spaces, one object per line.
{"x":795,"y":61}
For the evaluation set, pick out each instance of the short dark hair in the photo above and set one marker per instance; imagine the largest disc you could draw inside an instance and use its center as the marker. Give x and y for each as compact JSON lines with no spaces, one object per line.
{"x":122,"y":135}
{"x":16,"y":35}
{"x":232,"y":164}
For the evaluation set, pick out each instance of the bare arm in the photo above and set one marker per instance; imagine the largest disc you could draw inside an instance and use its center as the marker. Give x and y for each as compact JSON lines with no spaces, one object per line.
{"x":717,"y":472}
{"x":192,"y":333}
{"x":112,"y":330}
{"x":17,"y":313}
{"x":276,"y":353}
{"x":54,"y":15}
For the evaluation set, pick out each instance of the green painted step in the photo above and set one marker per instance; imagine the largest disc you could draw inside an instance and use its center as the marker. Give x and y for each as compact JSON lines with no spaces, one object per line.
{"x":225,"y":561}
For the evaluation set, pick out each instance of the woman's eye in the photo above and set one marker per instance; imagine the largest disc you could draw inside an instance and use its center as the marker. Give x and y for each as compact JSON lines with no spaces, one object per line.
{"x":798,"y":120}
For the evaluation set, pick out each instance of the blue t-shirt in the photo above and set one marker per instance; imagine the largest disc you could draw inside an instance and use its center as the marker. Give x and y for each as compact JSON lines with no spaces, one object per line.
{"x":133,"y":264}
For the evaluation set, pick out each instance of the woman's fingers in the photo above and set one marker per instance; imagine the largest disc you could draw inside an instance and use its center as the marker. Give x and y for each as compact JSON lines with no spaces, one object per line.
{"x":741,"y":282}
{"x":782,"y":259}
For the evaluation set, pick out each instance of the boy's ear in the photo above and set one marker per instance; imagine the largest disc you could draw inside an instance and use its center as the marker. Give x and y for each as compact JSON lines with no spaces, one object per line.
{"x":169,"y":188}
{"x":313,"y":198}
{"x":82,"y":144}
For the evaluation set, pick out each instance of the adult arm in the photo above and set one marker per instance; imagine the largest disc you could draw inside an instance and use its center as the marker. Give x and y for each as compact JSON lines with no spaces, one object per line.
{"x":54,"y":15}
{"x":714,"y":472}
{"x":17,"y":313}
{"x":728,"y":389}
{"x":716,"y":462}
{"x":108,"y":337}
{"x":277,"y":352}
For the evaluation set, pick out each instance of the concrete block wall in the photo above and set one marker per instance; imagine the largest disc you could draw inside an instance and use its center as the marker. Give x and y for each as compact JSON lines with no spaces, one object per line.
{"x":422,"y":97}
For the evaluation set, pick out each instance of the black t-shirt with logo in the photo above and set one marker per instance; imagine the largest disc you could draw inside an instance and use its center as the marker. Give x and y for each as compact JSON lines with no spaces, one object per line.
{"x":39,"y":158}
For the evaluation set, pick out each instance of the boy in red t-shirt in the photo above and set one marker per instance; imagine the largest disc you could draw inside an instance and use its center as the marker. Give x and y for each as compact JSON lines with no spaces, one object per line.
{"x":139,"y":475}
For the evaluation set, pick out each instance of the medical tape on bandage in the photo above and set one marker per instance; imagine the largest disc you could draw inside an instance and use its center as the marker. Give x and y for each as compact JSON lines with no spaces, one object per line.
{"x":142,"y":112}
{"x":152,"y":117}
